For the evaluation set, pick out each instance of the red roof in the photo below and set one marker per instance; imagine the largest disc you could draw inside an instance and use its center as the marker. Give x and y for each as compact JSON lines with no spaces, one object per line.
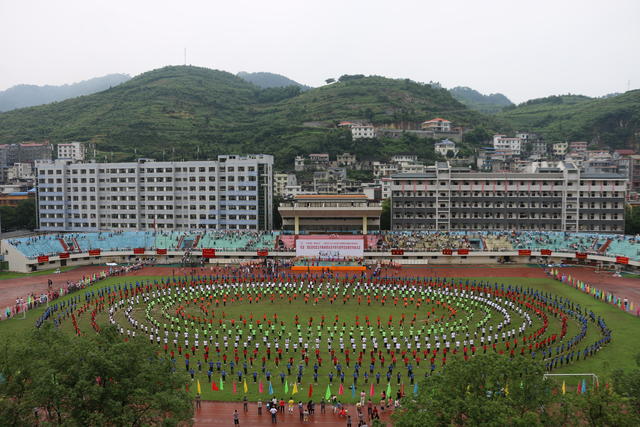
{"x":437,"y":119}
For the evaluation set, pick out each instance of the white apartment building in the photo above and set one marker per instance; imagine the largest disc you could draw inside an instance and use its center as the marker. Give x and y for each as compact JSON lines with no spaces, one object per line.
{"x":281,"y":181}
{"x":233,"y":193}
{"x":381,"y":170}
{"x":560,"y":149}
{"x":20,"y":171}
{"x":359,"y":131}
{"x":504,"y":143}
{"x":72,"y":150}
{"x":445,"y":146}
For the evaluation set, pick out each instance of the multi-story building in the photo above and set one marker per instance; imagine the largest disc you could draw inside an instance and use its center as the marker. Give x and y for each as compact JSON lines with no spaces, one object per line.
{"x":26,"y":152}
{"x":558,"y":198}
{"x":381,"y":170}
{"x":578,"y":147}
{"x":20,"y":171}
{"x":504,"y":143}
{"x":445,"y":146}
{"x":234,"y":193}
{"x":281,"y":181}
{"x":343,"y":213}
{"x":559,"y":149}
{"x":437,"y":125}
{"x":72,"y":150}
{"x":359,"y":131}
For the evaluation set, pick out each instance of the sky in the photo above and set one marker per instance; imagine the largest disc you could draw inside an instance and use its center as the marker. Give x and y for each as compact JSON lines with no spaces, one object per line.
{"x":523,"y":49}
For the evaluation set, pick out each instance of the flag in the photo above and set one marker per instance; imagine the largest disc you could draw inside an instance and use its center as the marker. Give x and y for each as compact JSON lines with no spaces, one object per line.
{"x":235,"y":389}
{"x":415,"y":388}
{"x":198,"y":387}
{"x":270,"y":388}
{"x":388,"y":389}
{"x":564,"y":388}
{"x":186,"y":386}
{"x":341,"y":390}
{"x":310,"y":389}
{"x":221,"y":384}
{"x":371,"y":391}
{"x":402,"y":390}
{"x":214,"y":387}
{"x":584,"y":386}
{"x":506,"y":390}
{"x":327,"y":394}
{"x":286,"y":387}
{"x":260,"y":388}
{"x":578,"y":390}
{"x":246,"y":389}
{"x":353,"y":390}
{"x":295,"y":388}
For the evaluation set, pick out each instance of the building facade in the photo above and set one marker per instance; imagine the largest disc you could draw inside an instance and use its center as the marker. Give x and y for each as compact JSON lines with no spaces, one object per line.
{"x":343,"y":213}
{"x":437,"y":125}
{"x":232,"y":193}
{"x":72,"y":150}
{"x":550,"y":198}
{"x":359,"y":131}
{"x":504,"y":143}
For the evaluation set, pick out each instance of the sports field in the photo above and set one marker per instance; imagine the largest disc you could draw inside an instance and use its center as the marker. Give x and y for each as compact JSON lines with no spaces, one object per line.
{"x":310,"y":332}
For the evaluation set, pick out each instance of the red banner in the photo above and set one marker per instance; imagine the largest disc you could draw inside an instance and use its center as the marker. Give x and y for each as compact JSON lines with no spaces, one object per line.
{"x":581,"y":255}
{"x":545,"y":252}
{"x":447,"y":252}
{"x":138,"y":251}
{"x":161,"y":251}
{"x":397,"y":251}
{"x":208,"y":253}
{"x":263,"y":252}
{"x":524,"y":252}
{"x":94,"y":252}
{"x":63,"y":255}
{"x":43,"y":259}
{"x":463,"y":251}
{"x":622,"y":260}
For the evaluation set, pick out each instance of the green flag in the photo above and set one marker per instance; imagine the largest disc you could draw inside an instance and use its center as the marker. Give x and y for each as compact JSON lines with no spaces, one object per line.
{"x":388,"y":389}
{"x":286,"y":387}
{"x":327,"y":394}
{"x":221,"y":384}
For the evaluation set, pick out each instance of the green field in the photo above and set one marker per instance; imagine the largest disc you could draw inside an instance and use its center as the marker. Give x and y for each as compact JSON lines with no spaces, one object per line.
{"x":13,"y":274}
{"x":619,"y":354}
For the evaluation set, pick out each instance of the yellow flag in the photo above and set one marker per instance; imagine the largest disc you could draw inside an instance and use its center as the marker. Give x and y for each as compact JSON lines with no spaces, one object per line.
{"x":295,"y":388}
{"x":198,"y":384}
{"x":564,"y":388}
{"x":246,"y":389}
{"x":506,"y":390}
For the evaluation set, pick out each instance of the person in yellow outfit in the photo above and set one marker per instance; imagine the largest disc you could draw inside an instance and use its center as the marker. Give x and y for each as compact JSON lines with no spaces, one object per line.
{"x":291,"y":403}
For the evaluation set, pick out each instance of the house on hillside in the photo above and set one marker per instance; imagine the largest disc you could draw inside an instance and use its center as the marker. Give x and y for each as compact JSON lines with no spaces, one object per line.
{"x":445,"y":146}
{"x":437,"y":125}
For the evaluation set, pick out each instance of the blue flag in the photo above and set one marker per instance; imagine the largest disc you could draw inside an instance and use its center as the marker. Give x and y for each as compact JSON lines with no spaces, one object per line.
{"x":415,"y":388}
{"x":270,"y":388}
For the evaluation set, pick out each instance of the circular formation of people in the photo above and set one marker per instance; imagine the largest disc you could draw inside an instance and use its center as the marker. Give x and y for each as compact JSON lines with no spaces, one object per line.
{"x":323,"y":335}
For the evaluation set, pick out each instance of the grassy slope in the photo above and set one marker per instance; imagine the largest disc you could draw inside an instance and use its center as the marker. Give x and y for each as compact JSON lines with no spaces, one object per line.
{"x":610,"y":121}
{"x":182,"y":109}
{"x":618,"y":355}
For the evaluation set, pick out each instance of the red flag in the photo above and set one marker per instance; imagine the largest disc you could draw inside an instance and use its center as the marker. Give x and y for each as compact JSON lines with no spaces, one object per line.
{"x":235,"y":390}
{"x":402,"y":390}
{"x":341,"y":389}
{"x":214,"y":387}
{"x":310,"y":389}
{"x":371,"y":391}
{"x":186,"y":386}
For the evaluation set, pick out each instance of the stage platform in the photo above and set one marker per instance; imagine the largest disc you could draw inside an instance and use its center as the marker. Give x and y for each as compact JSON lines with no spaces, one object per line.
{"x":328,"y":267}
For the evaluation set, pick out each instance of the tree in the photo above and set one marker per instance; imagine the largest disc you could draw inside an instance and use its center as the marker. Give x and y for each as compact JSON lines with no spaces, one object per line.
{"x":96,"y":380}
{"x":631,"y":220}
{"x":385,"y":217}
{"x":487,"y":387}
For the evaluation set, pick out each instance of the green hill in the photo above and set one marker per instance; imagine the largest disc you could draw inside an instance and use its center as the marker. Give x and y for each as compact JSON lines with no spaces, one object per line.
{"x":267,"y":80}
{"x":190,"y":112}
{"x":612,"y":122}
{"x":473,"y":99}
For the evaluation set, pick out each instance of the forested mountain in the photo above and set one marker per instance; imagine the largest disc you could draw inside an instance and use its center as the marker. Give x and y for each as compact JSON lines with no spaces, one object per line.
{"x":476,"y":101}
{"x":188,"y":112}
{"x":29,"y":95}
{"x":267,"y":80}
{"x":611,"y":122}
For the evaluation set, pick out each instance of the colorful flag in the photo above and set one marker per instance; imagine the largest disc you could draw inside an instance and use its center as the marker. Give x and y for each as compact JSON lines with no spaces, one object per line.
{"x":295,"y":388}
{"x":260,"y":388}
{"x":286,"y":387}
{"x":371,"y":391}
{"x":198,"y":387}
{"x":341,"y":390}
{"x":415,"y":388}
{"x":246,"y":389}
{"x":388,"y":389}
{"x":564,"y":388}
{"x":584,"y":386}
{"x":327,"y":394}
{"x":310,"y":389}
{"x":235,"y":389}
{"x":270,"y":388}
{"x":221,"y":384}
{"x":214,"y":387}
{"x":186,"y":386}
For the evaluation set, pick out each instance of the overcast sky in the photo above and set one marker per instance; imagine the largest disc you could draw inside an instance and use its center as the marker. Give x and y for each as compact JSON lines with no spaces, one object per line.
{"x":524,"y":49}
